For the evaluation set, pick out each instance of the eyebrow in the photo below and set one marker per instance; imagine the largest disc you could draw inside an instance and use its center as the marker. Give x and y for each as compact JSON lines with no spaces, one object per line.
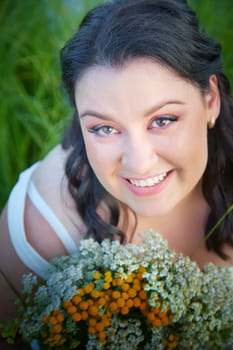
{"x":91,"y":113}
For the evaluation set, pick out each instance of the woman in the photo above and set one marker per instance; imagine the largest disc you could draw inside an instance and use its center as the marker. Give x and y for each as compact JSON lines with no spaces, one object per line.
{"x":150,"y":145}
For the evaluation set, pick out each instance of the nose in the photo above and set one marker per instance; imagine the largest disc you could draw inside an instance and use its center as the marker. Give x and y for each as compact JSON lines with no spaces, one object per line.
{"x":139,"y":155}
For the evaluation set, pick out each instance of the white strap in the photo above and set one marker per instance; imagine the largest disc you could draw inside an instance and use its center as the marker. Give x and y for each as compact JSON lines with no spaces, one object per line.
{"x":16,"y":205}
{"x":51,"y":218}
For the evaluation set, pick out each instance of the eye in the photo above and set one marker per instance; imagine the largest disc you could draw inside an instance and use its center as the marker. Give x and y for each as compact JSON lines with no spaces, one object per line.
{"x":162,"y":122}
{"x":103,"y":130}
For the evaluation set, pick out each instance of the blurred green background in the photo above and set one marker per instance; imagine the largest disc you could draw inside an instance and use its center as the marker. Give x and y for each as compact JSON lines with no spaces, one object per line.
{"x":33,"y":106}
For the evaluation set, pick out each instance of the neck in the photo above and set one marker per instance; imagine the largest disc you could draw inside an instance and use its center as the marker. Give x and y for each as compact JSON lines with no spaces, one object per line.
{"x":183,"y":227}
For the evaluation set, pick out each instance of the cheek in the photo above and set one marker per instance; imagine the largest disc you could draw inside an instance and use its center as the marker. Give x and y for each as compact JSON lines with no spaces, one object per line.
{"x":189,"y":148}
{"x":102,"y":157}
{"x":104,"y":163}
{"x":195,"y":154}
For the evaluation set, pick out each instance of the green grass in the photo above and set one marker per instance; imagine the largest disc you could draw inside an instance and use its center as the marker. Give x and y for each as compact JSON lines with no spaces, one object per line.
{"x":216,"y":17}
{"x":33,"y":108}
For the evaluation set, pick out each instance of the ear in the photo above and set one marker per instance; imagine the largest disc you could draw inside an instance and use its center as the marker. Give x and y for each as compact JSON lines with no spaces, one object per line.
{"x":212,"y":99}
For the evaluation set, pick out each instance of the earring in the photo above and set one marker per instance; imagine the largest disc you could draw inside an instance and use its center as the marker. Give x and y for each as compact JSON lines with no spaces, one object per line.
{"x":211,"y":123}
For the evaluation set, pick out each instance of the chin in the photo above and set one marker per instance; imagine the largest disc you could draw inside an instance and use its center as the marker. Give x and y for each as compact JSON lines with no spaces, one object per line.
{"x":150,"y":213}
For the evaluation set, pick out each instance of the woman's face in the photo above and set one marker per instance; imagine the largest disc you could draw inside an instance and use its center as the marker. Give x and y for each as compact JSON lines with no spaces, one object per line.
{"x":145,"y":132}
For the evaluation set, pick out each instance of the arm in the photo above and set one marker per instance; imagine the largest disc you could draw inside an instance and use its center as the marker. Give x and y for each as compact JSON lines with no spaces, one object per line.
{"x":48,"y":245}
{"x":12,"y":267}
{"x":39,"y":234}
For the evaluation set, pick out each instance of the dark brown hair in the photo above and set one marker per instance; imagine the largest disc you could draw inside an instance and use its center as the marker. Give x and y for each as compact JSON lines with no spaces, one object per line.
{"x":168,"y":32}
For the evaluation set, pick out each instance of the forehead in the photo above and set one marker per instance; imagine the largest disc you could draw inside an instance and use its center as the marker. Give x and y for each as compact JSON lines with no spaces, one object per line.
{"x":136,"y":66}
{"x":141,"y":80}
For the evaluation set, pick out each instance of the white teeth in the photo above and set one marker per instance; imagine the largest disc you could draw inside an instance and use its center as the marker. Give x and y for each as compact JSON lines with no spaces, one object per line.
{"x":149,"y":182}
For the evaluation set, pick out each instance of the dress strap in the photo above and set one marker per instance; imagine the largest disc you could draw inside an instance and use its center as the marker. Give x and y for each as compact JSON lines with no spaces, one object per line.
{"x":51,"y":218}
{"x":16,"y":205}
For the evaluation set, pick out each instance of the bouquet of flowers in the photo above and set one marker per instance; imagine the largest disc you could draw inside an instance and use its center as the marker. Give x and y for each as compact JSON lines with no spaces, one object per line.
{"x":109,"y":296}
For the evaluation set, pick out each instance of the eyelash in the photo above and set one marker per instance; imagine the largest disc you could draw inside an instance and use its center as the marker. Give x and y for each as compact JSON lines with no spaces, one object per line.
{"x":168,"y":119}
{"x":98,"y":128}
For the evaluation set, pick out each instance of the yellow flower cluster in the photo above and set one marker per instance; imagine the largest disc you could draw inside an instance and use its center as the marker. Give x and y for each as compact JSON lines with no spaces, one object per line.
{"x":171,"y":342}
{"x":117,"y":296}
{"x":54,"y":322}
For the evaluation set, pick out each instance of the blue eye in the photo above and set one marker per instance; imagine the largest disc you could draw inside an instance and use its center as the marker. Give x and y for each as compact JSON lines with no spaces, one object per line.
{"x":103,"y":130}
{"x":162,"y":122}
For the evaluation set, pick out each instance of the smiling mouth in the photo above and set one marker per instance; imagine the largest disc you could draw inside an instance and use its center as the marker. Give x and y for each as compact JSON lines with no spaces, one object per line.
{"x":148,"y":182}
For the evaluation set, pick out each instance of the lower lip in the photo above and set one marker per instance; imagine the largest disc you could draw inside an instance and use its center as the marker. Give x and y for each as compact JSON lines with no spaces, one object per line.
{"x":150,"y":190}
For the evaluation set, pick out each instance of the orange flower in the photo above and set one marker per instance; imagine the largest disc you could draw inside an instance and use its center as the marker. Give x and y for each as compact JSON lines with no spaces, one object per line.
{"x":143,"y":294}
{"x":83,"y":305}
{"x":113,"y":306}
{"x":124,"y":310}
{"x":125,"y":287}
{"x":76,"y":317}
{"x":95,"y":293}
{"x":88,"y":288}
{"x":121,"y":302}
{"x":67,"y":303}
{"x":84,"y":315}
{"x":116,"y":294}
{"x":132,"y":292}
{"x":93,"y":310}
{"x":76,"y":299}
{"x":71,"y":310}
{"x":52,"y":320}
{"x":102,"y":336}
{"x":129,"y":303}
{"x":136,"y":302}
{"x":57,"y":328}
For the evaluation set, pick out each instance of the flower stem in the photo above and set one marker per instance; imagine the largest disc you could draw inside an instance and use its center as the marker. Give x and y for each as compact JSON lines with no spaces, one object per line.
{"x":218,"y":223}
{"x":12,"y":287}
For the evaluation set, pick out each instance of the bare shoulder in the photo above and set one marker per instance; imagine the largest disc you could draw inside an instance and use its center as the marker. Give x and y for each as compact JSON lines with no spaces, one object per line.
{"x":51,"y":183}
{"x":51,"y":170}
{"x":52,"y":186}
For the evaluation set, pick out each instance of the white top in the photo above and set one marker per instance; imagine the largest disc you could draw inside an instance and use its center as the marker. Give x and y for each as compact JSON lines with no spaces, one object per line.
{"x":16,"y":205}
